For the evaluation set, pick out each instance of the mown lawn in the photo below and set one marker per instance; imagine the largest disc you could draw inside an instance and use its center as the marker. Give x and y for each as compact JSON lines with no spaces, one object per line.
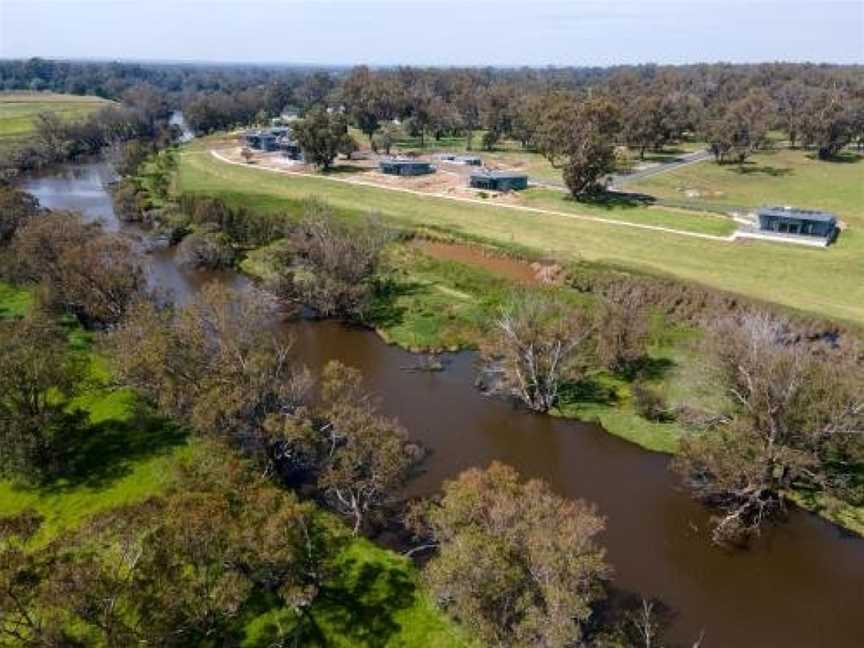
{"x":777,"y":177}
{"x":621,"y":209}
{"x":18,"y":111}
{"x":828,"y":282}
{"x":126,"y":454}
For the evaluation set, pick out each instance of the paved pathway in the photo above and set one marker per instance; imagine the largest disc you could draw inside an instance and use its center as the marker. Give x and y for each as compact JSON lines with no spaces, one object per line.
{"x":676,"y":163}
{"x":620,"y":179}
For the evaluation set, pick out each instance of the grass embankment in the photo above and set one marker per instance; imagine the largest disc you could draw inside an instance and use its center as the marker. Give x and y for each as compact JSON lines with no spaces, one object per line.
{"x":828,"y":282}
{"x":18,"y":112}
{"x":128,"y":454}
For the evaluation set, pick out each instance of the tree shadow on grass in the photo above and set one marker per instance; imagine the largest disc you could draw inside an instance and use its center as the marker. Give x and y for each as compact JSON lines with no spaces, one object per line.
{"x":361,"y":605}
{"x":666,"y":156}
{"x":646,"y":368}
{"x":615,"y":200}
{"x":385,"y":311}
{"x":346,"y":168}
{"x":841,"y":158}
{"x":102,"y":453}
{"x":588,"y":390}
{"x":751,"y":168}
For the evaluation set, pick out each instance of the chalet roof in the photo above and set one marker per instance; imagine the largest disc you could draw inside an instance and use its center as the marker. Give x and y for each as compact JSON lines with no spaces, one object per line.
{"x":403,"y":162}
{"x":498,"y":175}
{"x":800,"y":214}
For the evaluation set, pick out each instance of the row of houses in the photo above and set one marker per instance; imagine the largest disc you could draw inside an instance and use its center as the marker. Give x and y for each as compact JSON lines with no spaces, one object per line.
{"x":480,"y":179}
{"x":788,"y":222}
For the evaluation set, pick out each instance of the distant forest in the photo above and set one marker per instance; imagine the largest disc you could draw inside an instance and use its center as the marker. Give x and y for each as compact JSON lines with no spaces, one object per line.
{"x":730,"y":107}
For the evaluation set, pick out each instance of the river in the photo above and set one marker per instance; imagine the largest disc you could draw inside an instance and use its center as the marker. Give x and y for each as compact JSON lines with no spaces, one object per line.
{"x":800,"y":584}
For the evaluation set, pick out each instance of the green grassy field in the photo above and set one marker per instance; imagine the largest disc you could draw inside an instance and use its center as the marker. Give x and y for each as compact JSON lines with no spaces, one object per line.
{"x":828,"y":282}
{"x":683,"y":220}
{"x":777,"y":177}
{"x":436,"y":304}
{"x":18,"y":111}
{"x":128,"y":455}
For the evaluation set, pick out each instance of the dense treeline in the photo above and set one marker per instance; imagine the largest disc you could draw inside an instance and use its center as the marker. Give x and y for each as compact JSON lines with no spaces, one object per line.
{"x":657,"y":103}
{"x":573,"y":116}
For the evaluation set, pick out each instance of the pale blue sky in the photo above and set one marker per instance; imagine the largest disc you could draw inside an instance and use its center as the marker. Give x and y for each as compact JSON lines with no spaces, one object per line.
{"x":436,"y":32}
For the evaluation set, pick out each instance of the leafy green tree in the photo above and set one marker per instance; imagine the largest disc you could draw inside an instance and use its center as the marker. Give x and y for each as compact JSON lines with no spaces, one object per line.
{"x":829,"y":124}
{"x":516,"y":563}
{"x":321,"y":135}
{"x":360,"y":458}
{"x":496,"y":113}
{"x":373,"y":460}
{"x":384,"y":139}
{"x":175,"y":570}
{"x":577,"y":137}
{"x":215,"y":363}
{"x":38,"y":377}
{"x":16,"y":209}
{"x":370,"y":98}
{"x":622,"y":331}
{"x":330,"y":266}
{"x":590,"y":158}
{"x":792,"y":100}
{"x":84,"y":271}
{"x":348,"y":147}
{"x":742,"y":129}
{"x":644,"y":124}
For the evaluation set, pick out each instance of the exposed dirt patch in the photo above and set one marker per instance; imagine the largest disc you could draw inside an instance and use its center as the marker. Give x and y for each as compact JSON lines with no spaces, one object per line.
{"x":448,"y":179}
{"x":517,"y":270}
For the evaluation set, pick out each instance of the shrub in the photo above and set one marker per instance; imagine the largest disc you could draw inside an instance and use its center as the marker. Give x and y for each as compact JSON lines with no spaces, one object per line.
{"x":209,"y":250}
{"x":650,"y":403}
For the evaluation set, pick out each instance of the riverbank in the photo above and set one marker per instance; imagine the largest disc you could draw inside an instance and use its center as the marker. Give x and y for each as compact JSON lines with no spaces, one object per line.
{"x":131,"y":454}
{"x":447,"y":296}
{"x":443,"y":294}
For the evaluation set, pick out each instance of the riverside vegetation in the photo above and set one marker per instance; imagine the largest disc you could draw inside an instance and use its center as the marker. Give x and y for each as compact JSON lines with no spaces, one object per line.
{"x":628,"y":350}
{"x":170,"y":462}
{"x":239,"y":453}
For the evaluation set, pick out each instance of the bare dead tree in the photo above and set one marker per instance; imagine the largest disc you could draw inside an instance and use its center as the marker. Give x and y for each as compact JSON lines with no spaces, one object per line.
{"x":792,"y":415}
{"x":540,"y":344}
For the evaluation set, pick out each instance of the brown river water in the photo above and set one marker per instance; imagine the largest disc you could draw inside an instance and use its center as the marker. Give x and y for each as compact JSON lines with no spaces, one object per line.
{"x":799,"y":585}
